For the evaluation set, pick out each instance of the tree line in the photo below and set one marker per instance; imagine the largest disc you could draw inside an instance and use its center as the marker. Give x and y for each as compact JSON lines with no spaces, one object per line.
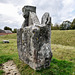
{"x":8,"y":28}
{"x":66,"y":25}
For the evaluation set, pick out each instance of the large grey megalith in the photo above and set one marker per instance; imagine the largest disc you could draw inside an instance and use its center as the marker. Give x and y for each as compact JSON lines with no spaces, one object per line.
{"x":34,"y":39}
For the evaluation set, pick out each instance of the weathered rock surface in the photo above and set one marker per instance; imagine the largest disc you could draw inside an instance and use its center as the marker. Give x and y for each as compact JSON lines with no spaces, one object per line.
{"x":34,"y":39}
{"x":10,"y":68}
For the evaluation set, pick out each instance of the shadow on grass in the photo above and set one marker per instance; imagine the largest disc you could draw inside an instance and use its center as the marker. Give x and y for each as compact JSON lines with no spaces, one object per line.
{"x":4,"y":59}
{"x":57,"y":67}
{"x":1,"y":72}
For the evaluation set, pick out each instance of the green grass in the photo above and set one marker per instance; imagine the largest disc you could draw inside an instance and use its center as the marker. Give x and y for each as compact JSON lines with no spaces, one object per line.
{"x":1,"y":72}
{"x":63,"y":37}
{"x":4,"y":58}
{"x":57,"y":67}
{"x":63,"y":61}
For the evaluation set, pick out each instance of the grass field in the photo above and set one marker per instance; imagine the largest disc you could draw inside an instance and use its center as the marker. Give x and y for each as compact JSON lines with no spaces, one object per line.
{"x":63,"y":37}
{"x":63,"y":48}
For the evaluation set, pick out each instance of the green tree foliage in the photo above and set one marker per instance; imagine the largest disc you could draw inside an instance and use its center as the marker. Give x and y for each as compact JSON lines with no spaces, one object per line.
{"x":62,"y":27}
{"x":7,"y":28}
{"x":55,"y":27}
{"x":66,"y":25}
{"x":14,"y":31}
{"x":51,"y":26}
{"x":73,"y":24}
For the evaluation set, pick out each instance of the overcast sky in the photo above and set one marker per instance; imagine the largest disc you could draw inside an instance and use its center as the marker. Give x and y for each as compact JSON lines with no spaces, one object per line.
{"x":11,"y":13}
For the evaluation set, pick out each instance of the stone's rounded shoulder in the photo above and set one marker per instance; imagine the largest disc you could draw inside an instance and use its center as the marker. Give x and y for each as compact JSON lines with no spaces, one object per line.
{"x":46,"y":14}
{"x":46,"y":18}
{"x":23,"y":9}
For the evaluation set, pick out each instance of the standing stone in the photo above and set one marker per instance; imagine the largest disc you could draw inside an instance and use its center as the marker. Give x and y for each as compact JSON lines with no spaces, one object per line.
{"x":34,"y":39}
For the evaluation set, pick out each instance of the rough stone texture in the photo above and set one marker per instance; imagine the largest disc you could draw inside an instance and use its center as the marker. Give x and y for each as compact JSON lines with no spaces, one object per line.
{"x":10,"y":68}
{"x":34,"y":39}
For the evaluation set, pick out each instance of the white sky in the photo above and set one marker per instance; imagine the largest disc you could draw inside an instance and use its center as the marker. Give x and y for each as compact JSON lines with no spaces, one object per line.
{"x":11,"y":13}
